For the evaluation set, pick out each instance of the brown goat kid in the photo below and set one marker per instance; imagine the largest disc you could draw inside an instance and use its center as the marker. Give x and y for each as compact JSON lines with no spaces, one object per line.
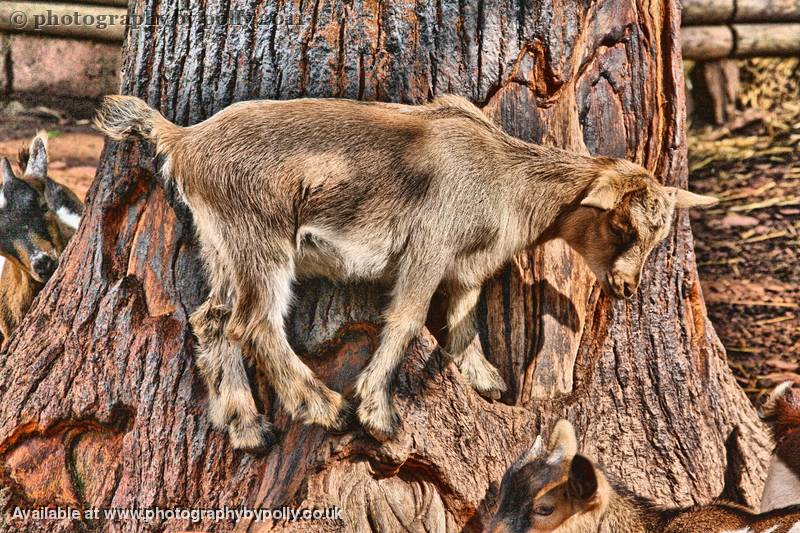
{"x":781,"y":411}
{"x":562,"y":491}
{"x":37,"y":218}
{"x":415,"y":197}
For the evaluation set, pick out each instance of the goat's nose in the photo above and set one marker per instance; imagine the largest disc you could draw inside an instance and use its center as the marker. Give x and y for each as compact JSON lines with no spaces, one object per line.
{"x":44,"y":266}
{"x":628,"y":289}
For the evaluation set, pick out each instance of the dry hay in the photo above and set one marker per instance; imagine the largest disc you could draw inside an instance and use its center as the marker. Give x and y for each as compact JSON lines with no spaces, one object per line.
{"x":767,"y":83}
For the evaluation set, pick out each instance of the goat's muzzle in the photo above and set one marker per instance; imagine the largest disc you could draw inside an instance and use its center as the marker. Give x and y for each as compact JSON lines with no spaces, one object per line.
{"x":43,"y":267}
{"x":617,"y":286}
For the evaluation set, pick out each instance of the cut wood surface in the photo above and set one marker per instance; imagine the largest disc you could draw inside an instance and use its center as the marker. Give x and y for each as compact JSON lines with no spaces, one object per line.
{"x":100,"y":401}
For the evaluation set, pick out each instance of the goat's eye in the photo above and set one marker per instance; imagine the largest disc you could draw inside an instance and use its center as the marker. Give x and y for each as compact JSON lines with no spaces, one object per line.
{"x":617,"y":232}
{"x":544,"y":510}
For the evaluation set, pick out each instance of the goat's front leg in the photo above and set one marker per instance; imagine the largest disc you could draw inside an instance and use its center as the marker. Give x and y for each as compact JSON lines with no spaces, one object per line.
{"x":464,"y":344}
{"x":230,"y":400}
{"x":257,"y":322}
{"x":404,"y":320}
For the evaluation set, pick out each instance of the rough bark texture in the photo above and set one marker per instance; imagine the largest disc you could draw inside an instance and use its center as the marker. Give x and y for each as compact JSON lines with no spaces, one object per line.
{"x":101,"y":404}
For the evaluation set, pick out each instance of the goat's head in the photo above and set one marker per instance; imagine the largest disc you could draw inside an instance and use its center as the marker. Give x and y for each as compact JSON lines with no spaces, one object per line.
{"x":60,"y":199}
{"x":780,"y":408}
{"x":546,"y":487}
{"x":623,"y":215}
{"x":30,"y":235}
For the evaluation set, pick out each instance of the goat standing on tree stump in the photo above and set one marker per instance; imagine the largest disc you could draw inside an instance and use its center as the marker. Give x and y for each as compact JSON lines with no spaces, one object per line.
{"x":415,"y":197}
{"x":37,"y":218}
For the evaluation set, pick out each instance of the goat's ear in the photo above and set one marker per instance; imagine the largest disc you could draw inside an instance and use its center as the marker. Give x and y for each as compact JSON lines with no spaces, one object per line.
{"x":685,"y":199}
{"x":537,"y":448}
{"x":601,"y":193}
{"x":768,"y":404}
{"x":37,"y":157}
{"x":8,"y":172}
{"x":582,"y":483}
{"x":563,"y":444}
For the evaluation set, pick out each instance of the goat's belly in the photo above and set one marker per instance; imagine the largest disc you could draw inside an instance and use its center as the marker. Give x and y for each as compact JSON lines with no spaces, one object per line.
{"x":340,"y":257}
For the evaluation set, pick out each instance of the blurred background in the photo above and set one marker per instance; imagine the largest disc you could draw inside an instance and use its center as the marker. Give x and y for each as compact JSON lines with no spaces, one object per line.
{"x":742,"y":66}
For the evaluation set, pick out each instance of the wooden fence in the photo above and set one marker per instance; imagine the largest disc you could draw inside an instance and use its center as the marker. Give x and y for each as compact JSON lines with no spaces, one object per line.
{"x":717,"y":29}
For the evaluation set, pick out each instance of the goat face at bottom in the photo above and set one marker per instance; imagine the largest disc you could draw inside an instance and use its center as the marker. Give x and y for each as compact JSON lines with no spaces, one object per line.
{"x":559,"y":490}
{"x":38,"y":216}
{"x":30,"y":237}
{"x":781,"y":411}
{"x":414,"y":197}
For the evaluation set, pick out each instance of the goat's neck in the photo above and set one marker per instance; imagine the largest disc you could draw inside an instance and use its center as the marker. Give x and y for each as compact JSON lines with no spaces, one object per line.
{"x":17,"y":291}
{"x":624,"y":514}
{"x":619,"y":514}
{"x":550,"y":183}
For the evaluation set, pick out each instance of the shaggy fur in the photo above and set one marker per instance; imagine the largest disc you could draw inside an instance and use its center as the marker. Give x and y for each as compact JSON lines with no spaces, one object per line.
{"x":415,"y":197}
{"x":561,"y":491}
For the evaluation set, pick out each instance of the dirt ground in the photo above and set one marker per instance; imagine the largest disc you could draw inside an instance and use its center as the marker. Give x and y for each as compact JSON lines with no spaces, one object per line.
{"x":747,"y":246}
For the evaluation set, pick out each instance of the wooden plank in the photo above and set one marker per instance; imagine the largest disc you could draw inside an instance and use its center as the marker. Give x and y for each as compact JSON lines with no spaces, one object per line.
{"x":767,"y":11}
{"x":706,"y":11}
{"x":767,"y":39}
{"x":706,"y":42}
{"x":740,"y":40}
{"x":102,"y":23}
{"x":699,"y":12}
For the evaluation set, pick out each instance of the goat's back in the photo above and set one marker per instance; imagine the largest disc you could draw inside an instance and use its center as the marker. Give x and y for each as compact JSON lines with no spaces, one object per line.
{"x":730,"y":518}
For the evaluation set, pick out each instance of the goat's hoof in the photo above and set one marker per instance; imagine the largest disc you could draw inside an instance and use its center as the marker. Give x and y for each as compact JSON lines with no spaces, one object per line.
{"x":324,"y":408}
{"x":379,"y":434}
{"x":346,"y":421}
{"x":491,"y":394}
{"x":486,"y":380}
{"x":255,"y":436}
{"x":380,"y":422}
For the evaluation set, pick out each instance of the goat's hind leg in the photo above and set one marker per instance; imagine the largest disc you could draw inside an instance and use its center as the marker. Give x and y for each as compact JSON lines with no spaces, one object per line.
{"x":257,"y":322}
{"x":464,"y":344}
{"x":230,"y":400}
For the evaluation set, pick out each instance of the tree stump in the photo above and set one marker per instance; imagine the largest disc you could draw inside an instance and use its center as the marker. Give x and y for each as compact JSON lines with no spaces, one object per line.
{"x":100,"y":402}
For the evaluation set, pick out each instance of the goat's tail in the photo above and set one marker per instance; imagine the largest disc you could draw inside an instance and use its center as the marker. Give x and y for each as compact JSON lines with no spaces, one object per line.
{"x":121,"y":117}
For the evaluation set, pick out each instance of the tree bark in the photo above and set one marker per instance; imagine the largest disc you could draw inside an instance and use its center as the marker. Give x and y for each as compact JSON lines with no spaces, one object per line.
{"x":100,"y":402}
